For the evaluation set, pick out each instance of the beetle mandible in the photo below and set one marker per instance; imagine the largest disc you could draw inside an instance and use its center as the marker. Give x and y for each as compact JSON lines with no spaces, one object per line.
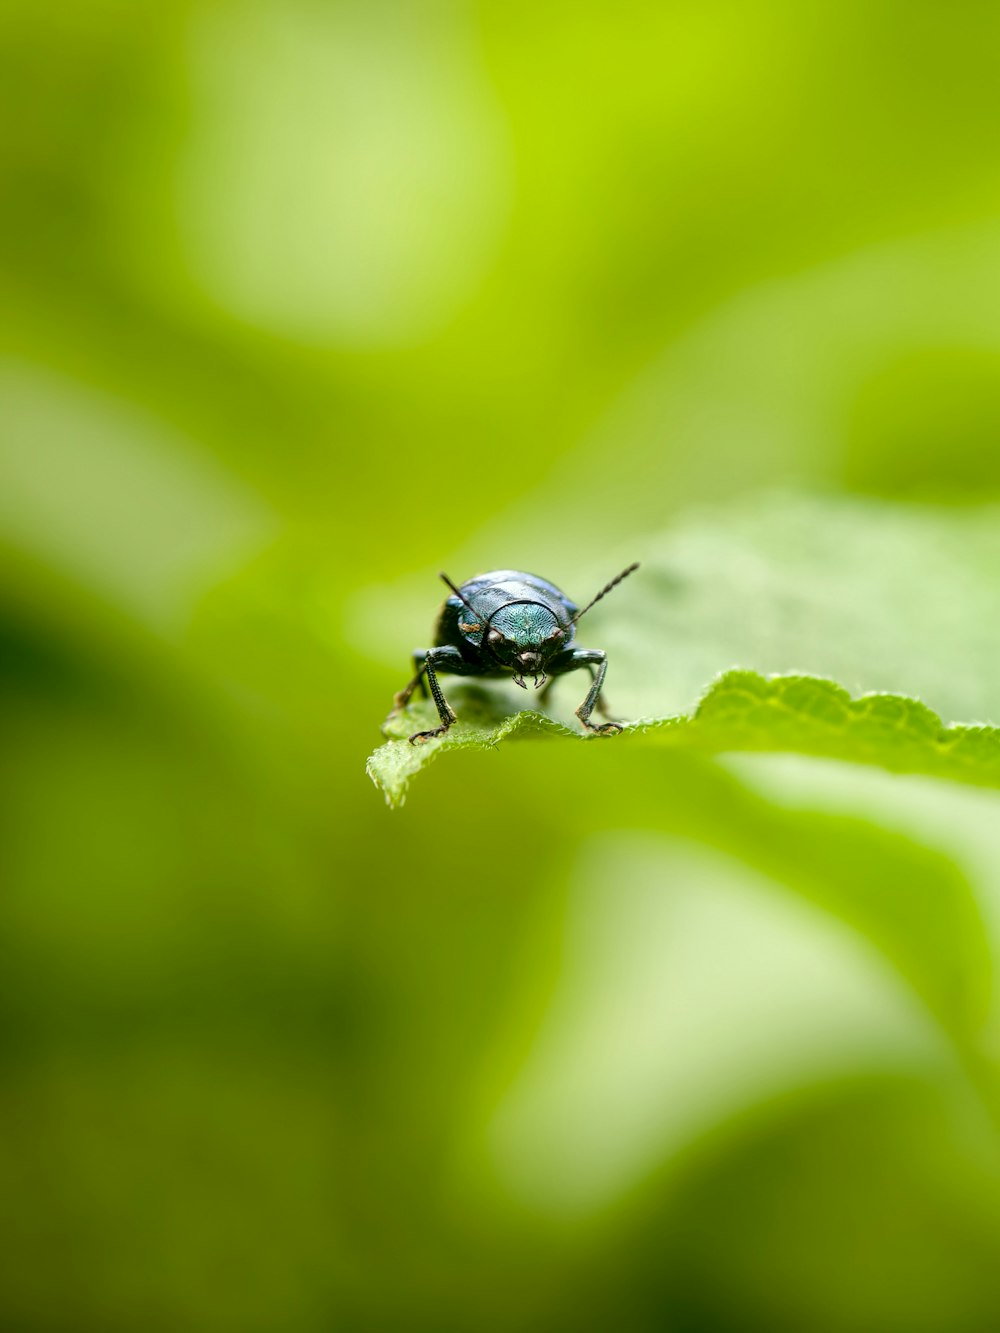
{"x":509,"y":623}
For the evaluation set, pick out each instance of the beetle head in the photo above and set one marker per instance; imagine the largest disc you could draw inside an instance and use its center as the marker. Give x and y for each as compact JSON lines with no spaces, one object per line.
{"x":525,"y":636}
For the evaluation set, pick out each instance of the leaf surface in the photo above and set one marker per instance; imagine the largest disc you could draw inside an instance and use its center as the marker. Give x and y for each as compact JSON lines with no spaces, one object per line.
{"x":742,"y":711}
{"x":848,"y":629}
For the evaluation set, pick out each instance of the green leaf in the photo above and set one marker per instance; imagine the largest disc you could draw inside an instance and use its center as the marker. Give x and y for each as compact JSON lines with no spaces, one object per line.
{"x":876,"y":596}
{"x":775,"y":600}
{"x":485,"y":721}
{"x":809,"y":715}
{"x":742,"y":711}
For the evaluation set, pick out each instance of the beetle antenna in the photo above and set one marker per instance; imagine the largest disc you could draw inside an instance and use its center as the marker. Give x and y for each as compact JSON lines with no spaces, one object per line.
{"x":476,"y":618}
{"x":605,"y":590}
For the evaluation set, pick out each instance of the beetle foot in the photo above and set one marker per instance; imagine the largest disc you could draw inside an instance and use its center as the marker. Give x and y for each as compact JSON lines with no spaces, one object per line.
{"x":519,"y":680}
{"x":604,"y":728}
{"x":419,"y":737}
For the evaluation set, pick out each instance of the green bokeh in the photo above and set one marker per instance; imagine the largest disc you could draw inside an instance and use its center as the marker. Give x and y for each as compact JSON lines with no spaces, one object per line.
{"x":303,"y":302}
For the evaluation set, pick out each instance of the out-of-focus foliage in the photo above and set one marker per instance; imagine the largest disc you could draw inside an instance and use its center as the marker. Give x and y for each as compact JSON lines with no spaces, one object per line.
{"x":305,"y":301}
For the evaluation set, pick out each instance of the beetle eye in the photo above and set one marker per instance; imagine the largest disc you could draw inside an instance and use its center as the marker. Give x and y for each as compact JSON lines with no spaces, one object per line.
{"x":557,"y":633}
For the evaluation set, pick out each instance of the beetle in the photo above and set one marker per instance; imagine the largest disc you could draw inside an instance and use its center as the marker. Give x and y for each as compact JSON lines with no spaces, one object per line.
{"x":509,"y":623}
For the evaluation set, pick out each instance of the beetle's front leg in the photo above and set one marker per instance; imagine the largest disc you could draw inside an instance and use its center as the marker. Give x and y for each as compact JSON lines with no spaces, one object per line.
{"x":601,"y":703}
{"x":594,"y":657}
{"x":450,"y":661}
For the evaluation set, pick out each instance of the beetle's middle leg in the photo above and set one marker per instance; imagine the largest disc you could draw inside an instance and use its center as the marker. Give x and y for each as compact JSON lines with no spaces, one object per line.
{"x":405,"y":695}
{"x":420,"y":662}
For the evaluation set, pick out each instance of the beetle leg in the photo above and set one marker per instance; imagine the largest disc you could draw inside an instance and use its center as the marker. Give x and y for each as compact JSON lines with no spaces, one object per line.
{"x":594,"y":657}
{"x":404,"y":695}
{"x":420,"y":661}
{"x":445,"y":660}
{"x":444,"y":708}
{"x":450,"y":661}
{"x":601,"y":704}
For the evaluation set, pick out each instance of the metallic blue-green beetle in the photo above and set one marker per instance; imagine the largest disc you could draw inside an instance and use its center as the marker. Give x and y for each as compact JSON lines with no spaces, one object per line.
{"x":508,"y":623}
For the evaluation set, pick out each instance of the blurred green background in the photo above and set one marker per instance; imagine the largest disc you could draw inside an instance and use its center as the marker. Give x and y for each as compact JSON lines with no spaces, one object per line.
{"x":302,"y":302}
